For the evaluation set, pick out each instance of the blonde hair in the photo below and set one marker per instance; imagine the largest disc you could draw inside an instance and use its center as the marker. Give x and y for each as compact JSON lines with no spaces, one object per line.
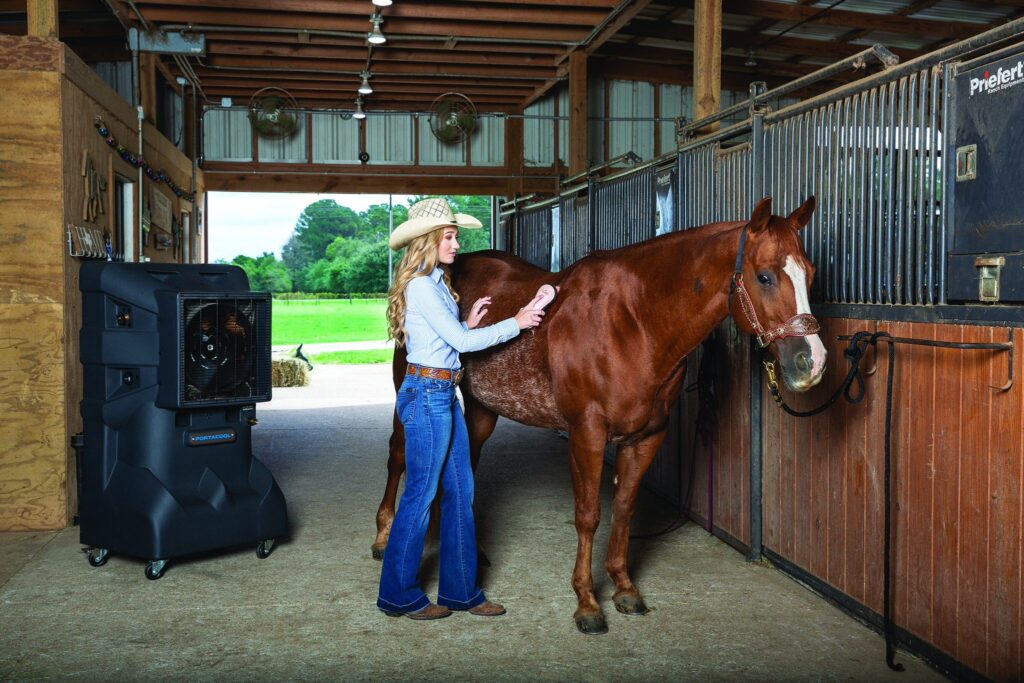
{"x":419,"y":260}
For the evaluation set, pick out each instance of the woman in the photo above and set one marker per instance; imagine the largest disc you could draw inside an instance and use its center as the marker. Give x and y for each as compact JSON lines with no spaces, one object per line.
{"x":423,"y":315}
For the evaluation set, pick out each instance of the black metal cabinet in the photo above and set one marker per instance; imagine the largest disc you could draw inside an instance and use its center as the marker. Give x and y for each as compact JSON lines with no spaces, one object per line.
{"x":986,"y":183}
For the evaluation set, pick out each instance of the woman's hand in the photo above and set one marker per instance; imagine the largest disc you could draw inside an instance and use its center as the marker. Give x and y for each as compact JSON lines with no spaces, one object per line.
{"x":477,"y":312}
{"x":529,"y":318}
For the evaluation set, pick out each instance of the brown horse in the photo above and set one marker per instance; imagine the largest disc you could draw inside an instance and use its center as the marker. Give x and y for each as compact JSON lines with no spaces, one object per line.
{"x":609,"y":359}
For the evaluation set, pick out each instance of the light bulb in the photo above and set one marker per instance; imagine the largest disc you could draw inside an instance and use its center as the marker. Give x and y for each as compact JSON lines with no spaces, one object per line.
{"x":365,"y":88}
{"x":375,"y":37}
{"x":359,"y":113}
{"x":382,"y":3}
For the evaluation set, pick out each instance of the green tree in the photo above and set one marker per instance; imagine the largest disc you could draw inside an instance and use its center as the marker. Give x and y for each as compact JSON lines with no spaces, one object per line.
{"x":265,"y":272}
{"x":318,"y":226}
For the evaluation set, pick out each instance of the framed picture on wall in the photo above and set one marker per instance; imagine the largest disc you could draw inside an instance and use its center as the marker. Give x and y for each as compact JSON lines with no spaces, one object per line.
{"x":161,"y":209}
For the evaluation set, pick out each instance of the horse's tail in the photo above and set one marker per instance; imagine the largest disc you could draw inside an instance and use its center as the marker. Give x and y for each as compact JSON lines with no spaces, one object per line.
{"x":399,"y":363}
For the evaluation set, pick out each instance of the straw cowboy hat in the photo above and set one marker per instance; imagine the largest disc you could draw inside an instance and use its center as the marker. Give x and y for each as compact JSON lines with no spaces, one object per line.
{"x":428,"y":215}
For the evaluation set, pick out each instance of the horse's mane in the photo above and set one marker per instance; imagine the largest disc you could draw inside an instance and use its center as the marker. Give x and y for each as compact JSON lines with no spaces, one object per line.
{"x":675,"y":239}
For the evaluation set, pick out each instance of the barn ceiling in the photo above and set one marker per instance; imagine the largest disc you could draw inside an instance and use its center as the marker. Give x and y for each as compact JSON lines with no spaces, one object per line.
{"x":501,"y":54}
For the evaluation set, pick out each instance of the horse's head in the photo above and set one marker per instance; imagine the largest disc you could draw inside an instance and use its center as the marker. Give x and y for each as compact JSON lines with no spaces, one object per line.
{"x":769,"y":295}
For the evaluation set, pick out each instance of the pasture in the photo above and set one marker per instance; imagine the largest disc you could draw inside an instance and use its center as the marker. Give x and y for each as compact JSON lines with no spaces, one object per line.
{"x":328,"y":320}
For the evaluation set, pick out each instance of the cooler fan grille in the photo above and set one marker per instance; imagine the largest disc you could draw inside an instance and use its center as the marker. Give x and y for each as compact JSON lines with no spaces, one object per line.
{"x":224,"y":349}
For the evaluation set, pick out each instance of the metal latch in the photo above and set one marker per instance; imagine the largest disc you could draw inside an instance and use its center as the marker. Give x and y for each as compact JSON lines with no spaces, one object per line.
{"x":966,"y":162}
{"x":988,"y":276}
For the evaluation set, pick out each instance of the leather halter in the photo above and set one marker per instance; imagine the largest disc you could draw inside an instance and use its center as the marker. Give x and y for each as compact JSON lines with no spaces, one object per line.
{"x":800,"y":325}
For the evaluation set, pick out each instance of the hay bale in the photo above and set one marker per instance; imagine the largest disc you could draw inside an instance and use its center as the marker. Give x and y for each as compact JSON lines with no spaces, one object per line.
{"x":288,"y":372}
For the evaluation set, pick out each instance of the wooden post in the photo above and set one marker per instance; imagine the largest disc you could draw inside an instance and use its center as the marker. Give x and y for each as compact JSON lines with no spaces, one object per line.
{"x":42,"y":18}
{"x":147,"y":85}
{"x":514,"y":154}
{"x":577,"y":112}
{"x":707,"y":60}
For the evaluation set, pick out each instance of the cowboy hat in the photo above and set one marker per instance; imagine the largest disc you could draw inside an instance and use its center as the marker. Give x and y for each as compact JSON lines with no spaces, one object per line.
{"x":428,"y":215}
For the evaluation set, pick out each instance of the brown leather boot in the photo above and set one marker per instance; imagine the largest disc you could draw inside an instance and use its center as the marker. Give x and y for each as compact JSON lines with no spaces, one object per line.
{"x":429,"y":612}
{"x":487,"y":609}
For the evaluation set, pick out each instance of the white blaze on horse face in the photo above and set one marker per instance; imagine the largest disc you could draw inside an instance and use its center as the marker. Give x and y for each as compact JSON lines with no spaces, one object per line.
{"x":797,"y":274}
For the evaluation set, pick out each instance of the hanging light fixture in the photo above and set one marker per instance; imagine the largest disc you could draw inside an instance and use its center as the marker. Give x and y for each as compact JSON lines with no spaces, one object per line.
{"x":375,"y":37}
{"x":365,"y":88}
{"x":359,"y":113}
{"x":382,"y":3}
{"x":751,"y":61}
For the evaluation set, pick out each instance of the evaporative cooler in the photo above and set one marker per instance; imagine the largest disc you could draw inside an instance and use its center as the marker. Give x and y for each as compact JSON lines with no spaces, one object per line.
{"x":175,"y":358}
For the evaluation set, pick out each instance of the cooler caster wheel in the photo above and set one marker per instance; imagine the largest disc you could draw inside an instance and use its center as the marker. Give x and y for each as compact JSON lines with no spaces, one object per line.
{"x":98,"y":556}
{"x":155,"y":569}
{"x":264,"y":548}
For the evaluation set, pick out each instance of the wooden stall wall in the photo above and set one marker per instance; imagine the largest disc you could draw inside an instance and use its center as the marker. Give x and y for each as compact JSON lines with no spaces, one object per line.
{"x":728,"y":460}
{"x":46,"y":126}
{"x":957,"y":454}
{"x":32,"y":450}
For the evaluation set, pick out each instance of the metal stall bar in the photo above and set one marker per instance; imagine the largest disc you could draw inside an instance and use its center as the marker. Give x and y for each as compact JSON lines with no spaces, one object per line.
{"x":756,"y":188}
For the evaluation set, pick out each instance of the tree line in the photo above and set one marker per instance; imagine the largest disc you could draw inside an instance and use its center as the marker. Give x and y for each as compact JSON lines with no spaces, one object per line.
{"x":336,"y":249}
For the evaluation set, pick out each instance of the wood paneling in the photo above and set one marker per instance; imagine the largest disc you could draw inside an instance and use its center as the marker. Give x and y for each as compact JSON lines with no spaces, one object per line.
{"x":957,"y":489}
{"x":32,"y":454}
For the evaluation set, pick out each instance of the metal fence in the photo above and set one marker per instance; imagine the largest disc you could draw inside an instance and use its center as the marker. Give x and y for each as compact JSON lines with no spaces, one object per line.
{"x":871,"y":152}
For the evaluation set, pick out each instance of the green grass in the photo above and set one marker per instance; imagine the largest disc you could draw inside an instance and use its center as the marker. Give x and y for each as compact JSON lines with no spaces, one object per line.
{"x":352,"y":357}
{"x":328,"y":320}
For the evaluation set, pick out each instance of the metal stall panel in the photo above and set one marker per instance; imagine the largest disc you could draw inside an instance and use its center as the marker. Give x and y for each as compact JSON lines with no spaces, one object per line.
{"x":574,"y":222}
{"x":533,"y":236}
{"x":874,"y":162}
{"x":624,"y":209}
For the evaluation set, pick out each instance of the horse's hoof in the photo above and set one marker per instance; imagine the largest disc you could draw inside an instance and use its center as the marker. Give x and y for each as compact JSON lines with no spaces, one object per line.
{"x":378,"y":550}
{"x":631,"y":604}
{"x":590,"y":623}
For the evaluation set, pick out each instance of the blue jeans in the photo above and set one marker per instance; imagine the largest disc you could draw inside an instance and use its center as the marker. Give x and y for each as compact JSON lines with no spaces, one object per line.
{"x":436,"y":449}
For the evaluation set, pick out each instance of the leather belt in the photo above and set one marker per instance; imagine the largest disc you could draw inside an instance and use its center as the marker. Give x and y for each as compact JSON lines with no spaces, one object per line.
{"x":453,"y":376}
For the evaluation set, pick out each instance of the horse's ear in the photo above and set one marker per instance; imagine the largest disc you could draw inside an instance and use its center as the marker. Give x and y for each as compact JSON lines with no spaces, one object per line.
{"x":802,"y":216}
{"x":761,"y":216}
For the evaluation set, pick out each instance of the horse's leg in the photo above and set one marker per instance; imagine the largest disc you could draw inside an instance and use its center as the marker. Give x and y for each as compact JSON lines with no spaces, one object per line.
{"x":396,"y":463}
{"x":396,"y":467}
{"x":631,"y":463}
{"x":586,"y":458}
{"x":480,"y":422}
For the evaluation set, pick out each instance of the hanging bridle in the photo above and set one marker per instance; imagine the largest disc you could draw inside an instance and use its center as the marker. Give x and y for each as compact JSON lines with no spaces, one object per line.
{"x":800,"y":325}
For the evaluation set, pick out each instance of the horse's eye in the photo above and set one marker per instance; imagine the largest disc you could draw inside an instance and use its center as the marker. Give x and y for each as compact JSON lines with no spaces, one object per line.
{"x":764,"y":278}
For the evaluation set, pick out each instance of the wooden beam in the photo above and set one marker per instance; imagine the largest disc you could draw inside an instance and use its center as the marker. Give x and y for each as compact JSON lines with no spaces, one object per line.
{"x":147,"y":85}
{"x":364,"y":179}
{"x":354,"y":66}
{"x":308,"y":51}
{"x":42,"y":18}
{"x":707,"y":62}
{"x":563,"y":15}
{"x":577,"y":112}
{"x":417,"y":27}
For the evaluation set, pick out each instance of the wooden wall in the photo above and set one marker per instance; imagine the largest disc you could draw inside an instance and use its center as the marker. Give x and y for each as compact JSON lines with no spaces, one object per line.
{"x":32,"y":409}
{"x":50,"y":100}
{"x":957,"y":491}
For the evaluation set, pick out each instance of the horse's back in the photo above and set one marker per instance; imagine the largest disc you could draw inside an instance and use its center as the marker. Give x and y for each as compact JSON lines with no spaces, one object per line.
{"x":512,"y":379}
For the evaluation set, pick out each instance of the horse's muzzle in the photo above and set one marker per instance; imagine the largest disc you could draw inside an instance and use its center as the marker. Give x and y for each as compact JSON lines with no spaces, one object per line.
{"x":802,"y":360}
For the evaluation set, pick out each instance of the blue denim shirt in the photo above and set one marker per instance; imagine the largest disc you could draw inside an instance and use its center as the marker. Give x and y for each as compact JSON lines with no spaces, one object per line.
{"x":434,"y":335}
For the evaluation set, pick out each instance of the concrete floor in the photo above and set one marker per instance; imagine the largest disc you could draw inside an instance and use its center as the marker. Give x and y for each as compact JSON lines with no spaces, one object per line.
{"x":307,"y":612}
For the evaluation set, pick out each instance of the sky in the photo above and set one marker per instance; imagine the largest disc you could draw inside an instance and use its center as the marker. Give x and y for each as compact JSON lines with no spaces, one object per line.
{"x":251,"y":223}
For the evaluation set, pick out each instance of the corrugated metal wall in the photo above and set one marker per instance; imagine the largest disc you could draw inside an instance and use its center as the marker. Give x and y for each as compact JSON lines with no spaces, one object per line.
{"x":533,"y":232}
{"x":227,"y":135}
{"x":390,"y":139}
